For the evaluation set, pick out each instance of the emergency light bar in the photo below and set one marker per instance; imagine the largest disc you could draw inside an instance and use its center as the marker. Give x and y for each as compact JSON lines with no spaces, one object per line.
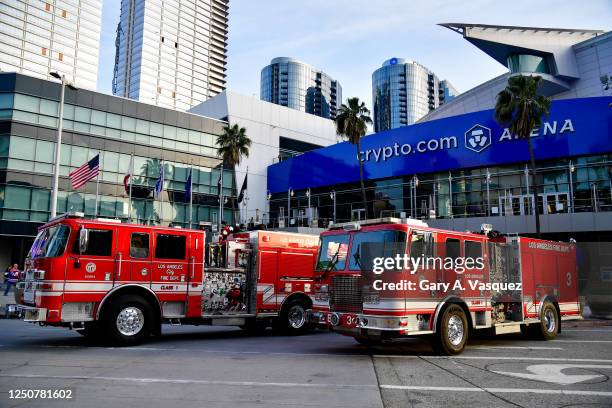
{"x":356,"y":225}
{"x":70,"y":214}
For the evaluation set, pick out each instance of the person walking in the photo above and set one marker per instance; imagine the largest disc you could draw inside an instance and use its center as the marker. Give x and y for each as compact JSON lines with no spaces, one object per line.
{"x":5,"y":275}
{"x":12,"y":279}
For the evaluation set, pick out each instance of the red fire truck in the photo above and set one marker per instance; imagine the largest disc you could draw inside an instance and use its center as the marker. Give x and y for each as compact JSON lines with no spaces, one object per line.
{"x":102,"y":277}
{"x":513,"y":284}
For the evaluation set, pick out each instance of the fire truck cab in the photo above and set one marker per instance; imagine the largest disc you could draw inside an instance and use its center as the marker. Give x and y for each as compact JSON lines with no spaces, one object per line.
{"x":425,"y":284}
{"x":121,"y":281}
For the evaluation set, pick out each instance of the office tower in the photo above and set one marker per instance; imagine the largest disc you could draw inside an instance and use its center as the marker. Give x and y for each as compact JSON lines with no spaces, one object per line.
{"x":39,"y":37}
{"x":292,"y":83}
{"x":171,"y":53}
{"x":404,"y":91}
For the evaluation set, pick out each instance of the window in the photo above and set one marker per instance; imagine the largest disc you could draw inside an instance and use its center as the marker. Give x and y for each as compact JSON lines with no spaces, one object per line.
{"x":453,"y":248}
{"x":170,"y":246}
{"x":47,"y":7}
{"x":473,"y":249}
{"x":139,"y":245}
{"x":369,"y":245}
{"x":333,"y":251}
{"x":60,"y":56}
{"x":100,"y":243}
{"x":43,"y":51}
{"x":50,"y":242}
{"x":64,"y":13}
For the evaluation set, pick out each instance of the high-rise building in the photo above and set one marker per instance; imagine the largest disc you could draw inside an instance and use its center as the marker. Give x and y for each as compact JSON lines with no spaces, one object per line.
{"x":39,"y":37}
{"x":404,"y":91}
{"x":292,"y":83}
{"x":175,"y":61}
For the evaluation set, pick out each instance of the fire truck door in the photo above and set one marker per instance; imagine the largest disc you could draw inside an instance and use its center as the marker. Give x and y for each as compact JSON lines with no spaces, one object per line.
{"x":169,"y":264}
{"x":99,"y":266}
{"x":266,"y":279}
{"x":138,"y":256}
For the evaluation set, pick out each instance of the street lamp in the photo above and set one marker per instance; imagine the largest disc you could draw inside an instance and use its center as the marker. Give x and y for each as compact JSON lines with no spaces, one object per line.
{"x":289,"y":195}
{"x":332,"y":195}
{"x":309,"y":210}
{"x":58,"y":143}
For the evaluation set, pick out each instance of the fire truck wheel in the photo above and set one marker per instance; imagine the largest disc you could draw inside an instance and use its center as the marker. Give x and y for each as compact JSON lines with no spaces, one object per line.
{"x":549,"y":322}
{"x":293,"y":317}
{"x":452,"y":331}
{"x":129,"y":320}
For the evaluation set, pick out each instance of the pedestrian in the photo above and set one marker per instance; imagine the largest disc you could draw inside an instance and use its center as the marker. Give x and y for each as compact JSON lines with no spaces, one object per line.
{"x":13,"y":277}
{"x":6,"y":274}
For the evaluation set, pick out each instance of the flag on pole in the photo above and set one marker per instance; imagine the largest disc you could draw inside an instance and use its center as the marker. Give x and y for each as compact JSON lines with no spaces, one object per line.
{"x":86,"y":172}
{"x":188,"y":186}
{"x":220,"y":185}
{"x":243,"y":188}
{"x":127,"y":179}
{"x":159,"y":184}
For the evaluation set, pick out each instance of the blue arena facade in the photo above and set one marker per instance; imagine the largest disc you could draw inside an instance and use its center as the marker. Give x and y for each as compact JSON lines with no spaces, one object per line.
{"x":458,"y":168}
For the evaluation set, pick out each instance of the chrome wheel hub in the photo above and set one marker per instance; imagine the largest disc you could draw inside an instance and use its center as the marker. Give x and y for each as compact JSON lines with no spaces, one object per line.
{"x":130,"y":321}
{"x":455,"y":330}
{"x":297,"y":317}
{"x":550,"y":321}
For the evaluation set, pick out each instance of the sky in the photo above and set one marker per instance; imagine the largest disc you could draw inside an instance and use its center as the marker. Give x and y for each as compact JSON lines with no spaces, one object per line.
{"x":349,"y":39}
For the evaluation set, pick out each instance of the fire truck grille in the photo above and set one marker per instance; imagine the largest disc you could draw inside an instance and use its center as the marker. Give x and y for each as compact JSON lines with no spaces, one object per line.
{"x":346,"y":294}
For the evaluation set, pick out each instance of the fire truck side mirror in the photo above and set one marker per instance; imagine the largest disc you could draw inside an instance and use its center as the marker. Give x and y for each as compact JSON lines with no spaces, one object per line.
{"x":83,"y":240}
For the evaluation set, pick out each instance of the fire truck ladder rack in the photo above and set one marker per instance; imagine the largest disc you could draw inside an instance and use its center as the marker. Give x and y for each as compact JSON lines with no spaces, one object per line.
{"x":355,"y":225}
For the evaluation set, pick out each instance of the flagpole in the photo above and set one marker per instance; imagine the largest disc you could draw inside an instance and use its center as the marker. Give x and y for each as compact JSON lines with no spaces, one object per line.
{"x":97,"y":193}
{"x":161,"y":194}
{"x":221,"y":198}
{"x":190,"y":195}
{"x":130,"y":193}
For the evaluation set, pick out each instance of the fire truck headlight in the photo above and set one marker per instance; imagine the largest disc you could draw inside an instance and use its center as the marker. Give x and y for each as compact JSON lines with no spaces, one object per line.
{"x":324,"y":288}
{"x":39,"y":275}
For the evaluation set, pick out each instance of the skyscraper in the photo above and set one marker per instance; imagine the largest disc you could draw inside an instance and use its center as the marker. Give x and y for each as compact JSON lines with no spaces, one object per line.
{"x":39,"y":37}
{"x":171,"y":53}
{"x":292,"y":83}
{"x":404,"y":91}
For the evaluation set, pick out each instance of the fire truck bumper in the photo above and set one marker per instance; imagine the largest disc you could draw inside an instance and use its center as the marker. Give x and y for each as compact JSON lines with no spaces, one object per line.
{"x":32,"y":314}
{"x":319,"y":318}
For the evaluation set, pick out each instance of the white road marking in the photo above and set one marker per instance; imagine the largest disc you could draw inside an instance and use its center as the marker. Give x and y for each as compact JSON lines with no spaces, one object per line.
{"x":553,"y":373}
{"x":514,"y":358}
{"x":309,"y":385}
{"x":198,"y":382}
{"x":582,"y":341}
{"x":498,"y":390}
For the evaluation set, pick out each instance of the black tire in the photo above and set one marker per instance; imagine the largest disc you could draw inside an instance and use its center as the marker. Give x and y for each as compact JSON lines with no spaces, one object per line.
{"x":137,"y":320}
{"x":550,"y":323}
{"x":292,"y":319}
{"x":452,"y":331}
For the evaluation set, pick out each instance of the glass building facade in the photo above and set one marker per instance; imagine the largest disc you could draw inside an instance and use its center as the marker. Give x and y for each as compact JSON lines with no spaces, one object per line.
{"x":171,"y":53}
{"x":289,"y":82}
{"x":39,"y":37}
{"x":117,"y":129}
{"x":405,"y":91}
{"x":577,"y":185}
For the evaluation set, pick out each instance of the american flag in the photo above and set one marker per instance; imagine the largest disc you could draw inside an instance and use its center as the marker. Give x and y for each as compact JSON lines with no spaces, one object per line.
{"x":86,"y":172}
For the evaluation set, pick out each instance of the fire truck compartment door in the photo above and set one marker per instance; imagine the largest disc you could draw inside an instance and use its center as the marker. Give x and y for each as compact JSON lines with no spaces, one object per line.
{"x":138,"y":255}
{"x":267,"y":280}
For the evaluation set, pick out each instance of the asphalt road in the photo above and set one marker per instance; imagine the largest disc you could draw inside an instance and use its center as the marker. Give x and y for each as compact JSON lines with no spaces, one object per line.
{"x":225,"y":367}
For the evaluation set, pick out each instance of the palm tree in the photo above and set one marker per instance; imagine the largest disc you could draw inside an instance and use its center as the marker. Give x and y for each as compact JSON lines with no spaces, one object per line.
{"x":352,"y":123}
{"x":233,"y":145}
{"x":520,"y":108}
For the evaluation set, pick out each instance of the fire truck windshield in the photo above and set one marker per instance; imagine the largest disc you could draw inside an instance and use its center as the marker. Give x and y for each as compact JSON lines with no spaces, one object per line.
{"x":375,"y":244}
{"x":50,"y":242}
{"x":332,"y":255}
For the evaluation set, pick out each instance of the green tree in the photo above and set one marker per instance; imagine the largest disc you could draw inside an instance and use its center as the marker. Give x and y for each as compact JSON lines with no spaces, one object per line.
{"x":520,"y":108}
{"x":352,"y":123}
{"x":233,"y":144}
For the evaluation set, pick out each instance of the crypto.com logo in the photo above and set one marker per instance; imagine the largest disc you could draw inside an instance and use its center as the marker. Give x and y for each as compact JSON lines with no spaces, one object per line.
{"x":478,"y":138}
